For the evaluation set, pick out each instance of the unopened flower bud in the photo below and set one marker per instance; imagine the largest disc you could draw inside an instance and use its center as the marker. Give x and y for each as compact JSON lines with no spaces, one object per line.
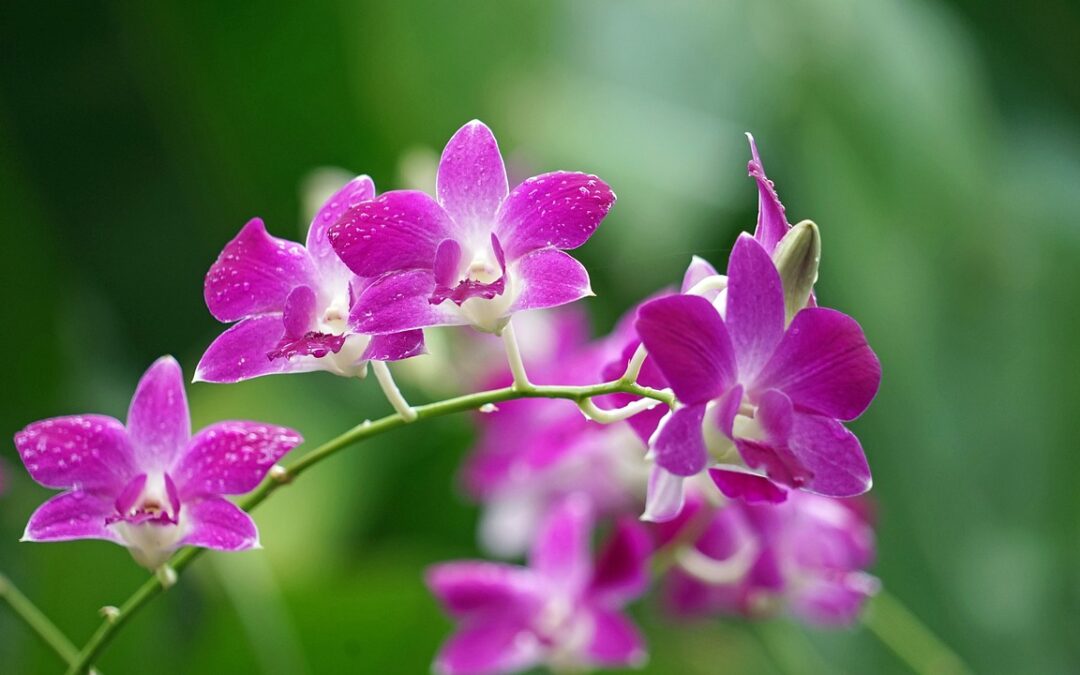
{"x":797,"y":257}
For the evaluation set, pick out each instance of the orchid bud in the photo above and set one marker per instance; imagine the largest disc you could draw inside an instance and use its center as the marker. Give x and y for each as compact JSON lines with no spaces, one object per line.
{"x":796,"y":258}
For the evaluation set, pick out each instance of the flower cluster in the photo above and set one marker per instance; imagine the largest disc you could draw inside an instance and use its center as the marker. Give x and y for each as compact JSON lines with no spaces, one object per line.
{"x":702,"y":443}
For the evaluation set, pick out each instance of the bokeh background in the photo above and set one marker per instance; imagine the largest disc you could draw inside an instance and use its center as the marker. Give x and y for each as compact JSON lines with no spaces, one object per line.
{"x":937,"y":144}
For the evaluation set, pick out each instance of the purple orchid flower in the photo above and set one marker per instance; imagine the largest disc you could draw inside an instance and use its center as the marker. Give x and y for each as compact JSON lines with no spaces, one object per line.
{"x":292,"y":304}
{"x":476,"y":254}
{"x":757,"y":394}
{"x":806,"y":556}
{"x":561,"y":610}
{"x":150,"y":485}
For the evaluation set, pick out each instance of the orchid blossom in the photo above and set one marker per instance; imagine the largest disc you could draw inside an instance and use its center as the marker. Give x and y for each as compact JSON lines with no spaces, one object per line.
{"x":149,"y":485}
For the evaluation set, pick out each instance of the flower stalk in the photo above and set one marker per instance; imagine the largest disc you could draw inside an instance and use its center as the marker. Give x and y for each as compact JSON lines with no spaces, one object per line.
{"x":37,"y":621}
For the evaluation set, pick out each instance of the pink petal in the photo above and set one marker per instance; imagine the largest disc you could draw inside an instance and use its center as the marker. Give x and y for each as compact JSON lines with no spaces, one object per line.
{"x":230,"y":458}
{"x":560,"y":209}
{"x":736,"y":483}
{"x":395,"y":231}
{"x":548,"y":278}
{"x":680,"y":442}
{"x":686,"y":337}
{"x":217,"y":523}
{"x":832,"y":454}
{"x":242,"y":352}
{"x":359,"y":189}
{"x":474,"y":586}
{"x":311,"y":343}
{"x":755,"y":306}
{"x":561,"y":550}
{"x":395,"y":346}
{"x":158,"y":422}
{"x":254,"y":274}
{"x":834,"y":600}
{"x":399,"y":302}
{"x":84,"y":451}
{"x":622,"y":567}
{"x":664,"y":497}
{"x":615,"y":641}
{"x":299,"y":315}
{"x":824,"y":364}
{"x":772,"y":224}
{"x":471,"y":183}
{"x":491,"y":645}
{"x":698,"y":269}
{"x":72,"y":515}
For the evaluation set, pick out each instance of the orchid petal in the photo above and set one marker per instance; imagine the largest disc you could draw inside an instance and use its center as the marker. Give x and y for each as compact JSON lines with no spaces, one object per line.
{"x":299,"y":315}
{"x":755,"y":306}
{"x":738,"y":483}
{"x":158,"y":422}
{"x":471,"y":183}
{"x":356,"y":191}
{"x":686,"y":337}
{"x":561,"y":549}
{"x":560,"y":209}
{"x":395,"y":346}
{"x":832,"y":454}
{"x":217,"y":523}
{"x":615,"y":640}
{"x":680,"y":441}
{"x":472,"y":587}
{"x":664,"y":496}
{"x":395,"y":231}
{"x":698,"y":269}
{"x":548,"y":278}
{"x":254,"y":274}
{"x":231,"y":457}
{"x":241,"y":353}
{"x":399,"y":302}
{"x":72,"y":515}
{"x":772,"y":223}
{"x":622,"y":572}
{"x":85,"y":451}
{"x":492,"y":644}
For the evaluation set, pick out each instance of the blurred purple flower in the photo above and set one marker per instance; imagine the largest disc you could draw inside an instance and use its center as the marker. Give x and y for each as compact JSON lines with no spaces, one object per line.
{"x":806,"y":556}
{"x":292,"y":303}
{"x":756,"y":393}
{"x":477,"y":253}
{"x":150,"y":485}
{"x":562,"y":610}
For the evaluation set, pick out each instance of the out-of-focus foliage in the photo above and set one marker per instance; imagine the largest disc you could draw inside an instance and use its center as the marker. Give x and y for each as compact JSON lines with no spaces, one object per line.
{"x":936,"y":145}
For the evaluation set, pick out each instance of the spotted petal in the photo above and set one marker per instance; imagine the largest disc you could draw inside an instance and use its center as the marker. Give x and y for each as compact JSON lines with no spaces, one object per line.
{"x":231,"y":458}
{"x":359,"y":189}
{"x":243,"y":352}
{"x":560,"y":209}
{"x":72,"y":515}
{"x":88,"y":451}
{"x":471,"y":183}
{"x":217,"y":523}
{"x":158,"y":422}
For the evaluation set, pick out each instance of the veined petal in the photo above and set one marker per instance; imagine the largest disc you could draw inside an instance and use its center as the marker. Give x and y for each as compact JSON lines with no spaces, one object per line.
{"x":242,"y":352}
{"x":395,"y":346}
{"x":299,"y":315}
{"x":686,"y":337}
{"x":86,"y":451}
{"x":824,"y":365}
{"x":755,"y":306}
{"x":395,"y":231}
{"x":561,"y":550}
{"x":230,"y":458}
{"x":215,"y":522}
{"x":399,"y":302}
{"x":680,"y":441}
{"x":254,"y":274}
{"x":664,"y":497}
{"x":158,"y":421}
{"x":832,"y":454}
{"x":359,"y":189}
{"x":615,"y":640}
{"x":622,"y":571}
{"x":471,"y":183}
{"x":72,"y":515}
{"x":476,"y":586}
{"x":560,"y":209}
{"x":548,"y":278}
{"x":738,"y":483}
{"x":772,"y":223}
{"x":491,"y":644}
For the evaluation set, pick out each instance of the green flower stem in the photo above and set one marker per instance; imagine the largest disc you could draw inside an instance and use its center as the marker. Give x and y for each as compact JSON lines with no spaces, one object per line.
{"x":908,"y":638}
{"x":37,"y":621}
{"x":280,"y":476}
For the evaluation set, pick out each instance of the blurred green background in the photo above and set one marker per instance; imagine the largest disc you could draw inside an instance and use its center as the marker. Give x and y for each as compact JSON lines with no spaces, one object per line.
{"x":936,"y":143}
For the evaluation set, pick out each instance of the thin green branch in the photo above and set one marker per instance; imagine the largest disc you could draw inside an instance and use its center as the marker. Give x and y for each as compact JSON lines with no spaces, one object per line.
{"x":911,"y":640}
{"x":38,"y":622}
{"x":284,"y":475}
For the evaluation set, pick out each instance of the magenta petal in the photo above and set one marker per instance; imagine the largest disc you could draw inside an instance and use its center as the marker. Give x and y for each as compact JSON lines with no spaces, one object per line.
{"x":473,"y":586}
{"x":356,"y":191}
{"x":664,"y":497}
{"x":493,"y":644}
{"x":395,"y":231}
{"x":399,"y":302}
{"x":230,"y":458}
{"x":832,"y":454}
{"x":834,"y":600}
{"x":560,"y":209}
{"x":622,"y":566}
{"x":751,"y":488}
{"x":471,"y":183}
{"x":615,"y":641}
{"x":698,"y":269}
{"x":727,"y":409}
{"x":158,"y":422}
{"x":241,"y":353}
{"x":85,"y":451}
{"x":447,"y":263}
{"x":755,"y":306}
{"x":254,"y":274}
{"x":548,"y":278}
{"x":299,"y":315}
{"x":312,"y":343}
{"x":680,"y":441}
{"x":776,"y":460}
{"x":217,"y":523}
{"x":686,"y":337}
{"x":561,"y":549}
{"x":824,"y":364}
{"x":395,"y":346}
{"x":772,"y":223}
{"x":72,"y":515}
